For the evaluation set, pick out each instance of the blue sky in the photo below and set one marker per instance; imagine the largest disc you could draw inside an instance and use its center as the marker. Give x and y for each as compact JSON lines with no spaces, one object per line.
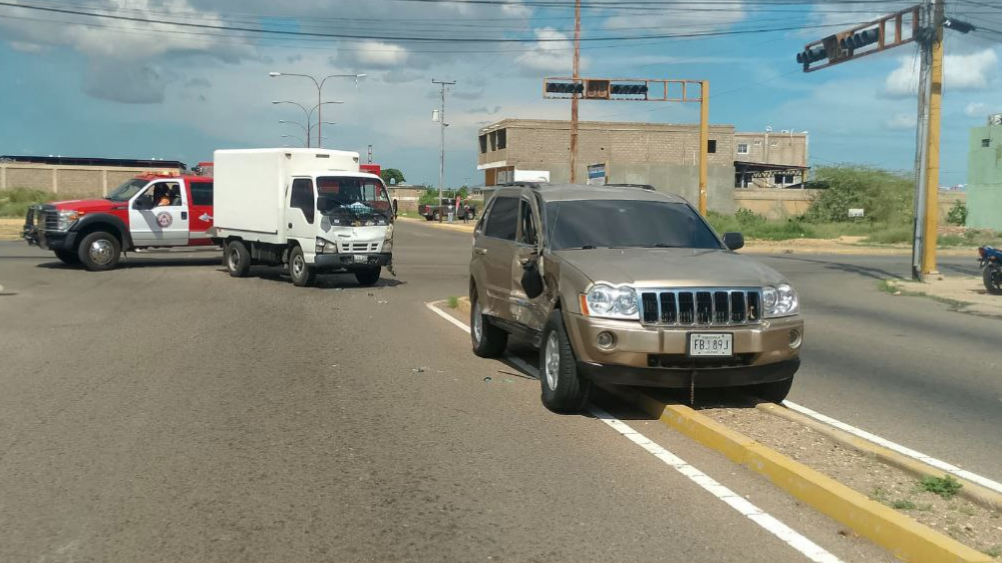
{"x":130,"y":89}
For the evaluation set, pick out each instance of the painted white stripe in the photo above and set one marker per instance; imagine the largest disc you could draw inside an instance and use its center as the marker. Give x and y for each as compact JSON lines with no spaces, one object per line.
{"x":938,"y":464}
{"x":448,"y":317}
{"x":788,"y":535}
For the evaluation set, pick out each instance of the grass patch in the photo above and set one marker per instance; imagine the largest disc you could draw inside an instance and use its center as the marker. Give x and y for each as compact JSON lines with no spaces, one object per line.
{"x":15,"y":202}
{"x":903,"y":504}
{"x":994,"y":552}
{"x":453,"y":302}
{"x":967,"y":510}
{"x":946,"y":486}
{"x":879,"y":494}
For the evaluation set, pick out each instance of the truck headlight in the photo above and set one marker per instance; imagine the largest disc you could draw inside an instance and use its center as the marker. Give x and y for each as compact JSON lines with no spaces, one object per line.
{"x":611,"y":302}
{"x":780,"y":301}
{"x":67,"y":219}
{"x":325,"y":246}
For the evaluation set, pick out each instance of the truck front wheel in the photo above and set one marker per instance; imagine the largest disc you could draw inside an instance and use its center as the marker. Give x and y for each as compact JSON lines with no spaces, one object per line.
{"x":68,"y":257}
{"x":238,"y":258}
{"x":99,"y":251}
{"x":368,"y":277}
{"x":302,"y":274}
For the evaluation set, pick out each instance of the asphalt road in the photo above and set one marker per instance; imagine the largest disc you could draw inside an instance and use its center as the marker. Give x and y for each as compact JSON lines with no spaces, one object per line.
{"x":166,"y":412}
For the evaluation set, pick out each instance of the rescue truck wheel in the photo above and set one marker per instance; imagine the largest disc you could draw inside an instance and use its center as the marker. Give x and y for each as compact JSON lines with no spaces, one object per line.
{"x":68,"y":257}
{"x":368,"y":277}
{"x":302,"y":274}
{"x":238,"y":259}
{"x":99,"y":251}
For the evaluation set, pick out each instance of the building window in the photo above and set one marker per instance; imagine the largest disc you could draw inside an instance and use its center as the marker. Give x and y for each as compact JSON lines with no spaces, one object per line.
{"x":711,"y":146}
{"x":502,"y":139}
{"x":483,"y":144}
{"x":742,"y":148}
{"x":986,"y":142}
{"x":774,"y":144}
{"x":783,"y":179}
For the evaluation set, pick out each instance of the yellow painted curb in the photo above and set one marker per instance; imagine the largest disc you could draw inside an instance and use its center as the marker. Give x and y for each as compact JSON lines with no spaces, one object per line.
{"x":905,"y":538}
{"x":971,"y":491}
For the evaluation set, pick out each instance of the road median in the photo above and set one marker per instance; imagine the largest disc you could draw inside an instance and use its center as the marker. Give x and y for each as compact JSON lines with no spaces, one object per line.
{"x":904,"y":537}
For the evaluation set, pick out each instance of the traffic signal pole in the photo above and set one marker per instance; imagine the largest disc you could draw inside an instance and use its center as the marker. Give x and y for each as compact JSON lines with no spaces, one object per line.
{"x":935,"y":104}
{"x":574,"y":97}
{"x":704,"y":141}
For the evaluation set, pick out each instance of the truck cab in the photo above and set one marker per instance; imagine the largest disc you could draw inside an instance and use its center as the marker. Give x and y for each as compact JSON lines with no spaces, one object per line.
{"x":149,"y":211}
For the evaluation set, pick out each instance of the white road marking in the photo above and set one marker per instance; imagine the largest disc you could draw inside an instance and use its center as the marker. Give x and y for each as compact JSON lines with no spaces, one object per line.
{"x":938,"y":464}
{"x":788,"y":535}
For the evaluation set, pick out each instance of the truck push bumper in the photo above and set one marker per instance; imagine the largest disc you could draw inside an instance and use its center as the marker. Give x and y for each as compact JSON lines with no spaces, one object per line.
{"x":352,"y":261}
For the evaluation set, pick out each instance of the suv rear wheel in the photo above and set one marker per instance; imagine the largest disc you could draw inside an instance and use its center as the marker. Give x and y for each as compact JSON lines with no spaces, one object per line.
{"x":489,"y":341}
{"x":774,"y":392}
{"x":563,"y":389}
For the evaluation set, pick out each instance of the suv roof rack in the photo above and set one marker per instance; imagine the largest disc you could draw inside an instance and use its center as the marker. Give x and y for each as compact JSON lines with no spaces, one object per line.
{"x":647,"y":187}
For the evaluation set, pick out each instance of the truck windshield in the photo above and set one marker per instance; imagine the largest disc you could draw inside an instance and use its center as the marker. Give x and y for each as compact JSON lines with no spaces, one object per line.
{"x":127,"y":190}
{"x":354,"y":197}
{"x":626,"y":224}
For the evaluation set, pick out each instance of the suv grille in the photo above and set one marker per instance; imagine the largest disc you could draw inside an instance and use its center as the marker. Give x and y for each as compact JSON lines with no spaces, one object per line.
{"x":702,"y":306}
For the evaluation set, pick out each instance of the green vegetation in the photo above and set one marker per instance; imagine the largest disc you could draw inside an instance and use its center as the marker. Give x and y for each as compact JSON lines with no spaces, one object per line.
{"x":453,"y":302}
{"x":886,"y":198}
{"x":879,"y":494}
{"x":15,"y":202}
{"x":946,"y":486}
{"x":430,"y":195}
{"x":904,"y":504}
{"x":994,"y":552}
{"x":392,"y":176}
{"x":957,"y":214}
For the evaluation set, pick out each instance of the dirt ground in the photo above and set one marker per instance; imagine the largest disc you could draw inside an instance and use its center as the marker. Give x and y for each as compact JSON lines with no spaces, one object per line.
{"x":10,"y":229}
{"x":966,"y":292}
{"x":957,"y":517}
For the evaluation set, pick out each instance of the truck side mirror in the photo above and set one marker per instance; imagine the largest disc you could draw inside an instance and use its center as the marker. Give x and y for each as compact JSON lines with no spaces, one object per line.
{"x":734,"y":241}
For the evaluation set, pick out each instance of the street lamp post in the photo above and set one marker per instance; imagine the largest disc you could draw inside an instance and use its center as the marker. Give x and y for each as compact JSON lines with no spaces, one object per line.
{"x":309,"y":116}
{"x":320,"y":87}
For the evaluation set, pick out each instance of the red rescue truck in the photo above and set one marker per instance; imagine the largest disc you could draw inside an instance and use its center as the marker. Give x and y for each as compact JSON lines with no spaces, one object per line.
{"x":155,"y":210}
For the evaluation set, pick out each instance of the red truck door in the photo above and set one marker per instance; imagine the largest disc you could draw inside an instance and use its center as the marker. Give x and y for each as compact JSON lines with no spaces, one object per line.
{"x":200,"y":198}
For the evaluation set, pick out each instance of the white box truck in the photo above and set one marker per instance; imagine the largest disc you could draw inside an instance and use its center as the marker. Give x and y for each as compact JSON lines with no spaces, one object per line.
{"x":308,"y":209}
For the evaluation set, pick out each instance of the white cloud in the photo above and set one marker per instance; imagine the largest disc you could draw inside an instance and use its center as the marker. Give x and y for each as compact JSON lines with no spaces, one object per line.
{"x":962,"y":72}
{"x":679,"y":18}
{"x":379,"y":54}
{"x":902,"y":122}
{"x":552,"y":54}
{"x":976,"y":109}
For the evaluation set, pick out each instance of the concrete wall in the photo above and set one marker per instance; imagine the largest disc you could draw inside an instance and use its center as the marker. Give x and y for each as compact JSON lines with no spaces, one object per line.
{"x":783,"y":204}
{"x":774,"y":147}
{"x":984,"y":183}
{"x":67,"y":182}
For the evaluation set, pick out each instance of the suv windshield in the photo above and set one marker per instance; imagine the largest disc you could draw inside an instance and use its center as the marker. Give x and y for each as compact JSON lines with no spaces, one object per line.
{"x":626,"y":224}
{"x":127,"y":190}
{"x":354,"y":197}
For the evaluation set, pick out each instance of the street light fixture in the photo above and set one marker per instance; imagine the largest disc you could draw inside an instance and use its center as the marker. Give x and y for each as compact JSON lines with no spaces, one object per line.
{"x":320,"y":87}
{"x":308,"y":113}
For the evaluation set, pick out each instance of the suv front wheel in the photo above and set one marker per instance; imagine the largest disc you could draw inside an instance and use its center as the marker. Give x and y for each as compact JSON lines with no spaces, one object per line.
{"x":563,"y":389}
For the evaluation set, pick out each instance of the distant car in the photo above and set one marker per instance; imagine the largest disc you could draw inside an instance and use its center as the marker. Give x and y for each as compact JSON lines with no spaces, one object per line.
{"x":627,"y":286}
{"x":467,"y":210}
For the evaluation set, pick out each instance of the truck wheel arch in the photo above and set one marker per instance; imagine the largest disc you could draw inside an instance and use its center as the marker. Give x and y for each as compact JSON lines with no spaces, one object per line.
{"x":104,"y":222}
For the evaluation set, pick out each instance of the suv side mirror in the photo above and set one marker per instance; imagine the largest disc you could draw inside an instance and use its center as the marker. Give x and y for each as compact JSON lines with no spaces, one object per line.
{"x":734,"y":241}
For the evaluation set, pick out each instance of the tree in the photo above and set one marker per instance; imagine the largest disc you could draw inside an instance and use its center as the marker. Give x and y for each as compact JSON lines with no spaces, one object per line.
{"x":392,"y":176}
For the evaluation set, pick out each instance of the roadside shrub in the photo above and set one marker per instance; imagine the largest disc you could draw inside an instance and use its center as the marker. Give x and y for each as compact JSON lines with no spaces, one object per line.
{"x":884,"y":195}
{"x":957,"y":214}
{"x":946,"y":486}
{"x":429,"y":197}
{"x":15,"y":202}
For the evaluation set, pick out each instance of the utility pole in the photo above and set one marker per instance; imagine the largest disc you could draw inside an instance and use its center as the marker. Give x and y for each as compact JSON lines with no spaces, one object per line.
{"x":442,"y":126}
{"x":704,"y":141}
{"x":574,"y":97}
{"x":370,"y":155}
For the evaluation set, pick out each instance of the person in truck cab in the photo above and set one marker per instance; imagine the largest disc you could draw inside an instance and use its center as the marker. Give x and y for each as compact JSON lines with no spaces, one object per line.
{"x":161,"y":196}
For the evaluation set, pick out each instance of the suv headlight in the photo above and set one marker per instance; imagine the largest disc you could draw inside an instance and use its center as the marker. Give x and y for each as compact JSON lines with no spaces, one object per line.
{"x":612,"y":302}
{"x":67,"y":219}
{"x":780,"y":301}
{"x":325,"y":246}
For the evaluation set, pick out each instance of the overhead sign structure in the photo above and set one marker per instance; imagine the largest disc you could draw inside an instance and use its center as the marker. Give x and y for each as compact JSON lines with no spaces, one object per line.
{"x":890,"y":31}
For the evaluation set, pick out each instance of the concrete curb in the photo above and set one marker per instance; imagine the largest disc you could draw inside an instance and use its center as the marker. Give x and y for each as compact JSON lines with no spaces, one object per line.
{"x":905,"y":538}
{"x":971,"y":491}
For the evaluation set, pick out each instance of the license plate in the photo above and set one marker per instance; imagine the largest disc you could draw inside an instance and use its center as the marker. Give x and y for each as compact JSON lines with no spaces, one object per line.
{"x":711,"y":344}
{"x":361,"y":258}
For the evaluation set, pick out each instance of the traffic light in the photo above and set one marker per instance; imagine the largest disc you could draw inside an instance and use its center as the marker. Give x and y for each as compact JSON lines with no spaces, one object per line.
{"x":812,"y":55}
{"x":860,"y":39}
{"x":628,"y":90}
{"x":564,"y":87}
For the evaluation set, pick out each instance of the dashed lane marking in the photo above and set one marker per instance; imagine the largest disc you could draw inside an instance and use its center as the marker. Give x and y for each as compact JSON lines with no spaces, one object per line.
{"x":788,"y":535}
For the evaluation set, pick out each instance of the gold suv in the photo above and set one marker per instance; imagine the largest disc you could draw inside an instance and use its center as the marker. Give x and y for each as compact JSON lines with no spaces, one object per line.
{"x":627,"y":286}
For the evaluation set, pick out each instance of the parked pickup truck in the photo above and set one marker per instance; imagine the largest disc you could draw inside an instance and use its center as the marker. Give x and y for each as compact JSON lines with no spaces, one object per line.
{"x":149,"y":211}
{"x":448,"y":205}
